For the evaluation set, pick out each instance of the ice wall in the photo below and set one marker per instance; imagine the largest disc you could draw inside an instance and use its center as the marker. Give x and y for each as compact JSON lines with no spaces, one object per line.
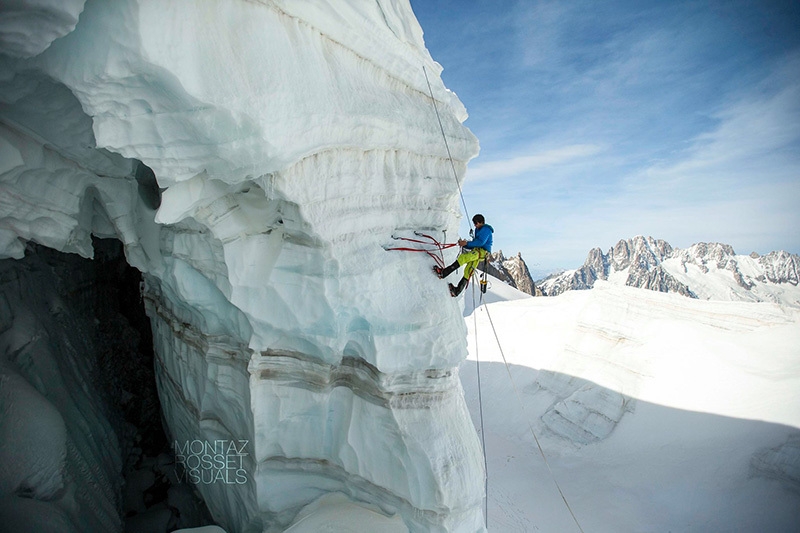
{"x":289,"y":140}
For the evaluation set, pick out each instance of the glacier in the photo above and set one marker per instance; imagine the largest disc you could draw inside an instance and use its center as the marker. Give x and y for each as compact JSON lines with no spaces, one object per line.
{"x":255,"y":159}
{"x":655,"y":412}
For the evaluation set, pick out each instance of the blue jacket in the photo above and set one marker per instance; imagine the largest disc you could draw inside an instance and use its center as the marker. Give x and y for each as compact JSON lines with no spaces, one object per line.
{"x":483,"y":238}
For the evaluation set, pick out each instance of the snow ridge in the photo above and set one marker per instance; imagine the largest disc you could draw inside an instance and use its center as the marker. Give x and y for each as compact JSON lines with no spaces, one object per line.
{"x":709,"y":271}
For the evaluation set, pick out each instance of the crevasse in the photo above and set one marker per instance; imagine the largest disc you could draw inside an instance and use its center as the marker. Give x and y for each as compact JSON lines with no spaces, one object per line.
{"x":289,"y":141}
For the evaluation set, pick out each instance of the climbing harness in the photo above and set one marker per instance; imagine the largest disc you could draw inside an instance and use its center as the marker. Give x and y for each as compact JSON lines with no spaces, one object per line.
{"x":484,"y":276}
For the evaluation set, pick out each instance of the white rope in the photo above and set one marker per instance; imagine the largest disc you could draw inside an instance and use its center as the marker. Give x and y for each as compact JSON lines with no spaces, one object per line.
{"x":477,"y":360}
{"x":446,"y":145}
{"x":480,"y":404}
{"x":530,"y":427}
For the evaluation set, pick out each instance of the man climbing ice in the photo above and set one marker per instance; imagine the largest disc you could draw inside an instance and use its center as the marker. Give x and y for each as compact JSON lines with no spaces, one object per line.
{"x":472,"y":253}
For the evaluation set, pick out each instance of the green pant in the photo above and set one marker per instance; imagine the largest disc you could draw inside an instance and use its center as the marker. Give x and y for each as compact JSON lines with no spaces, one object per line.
{"x":471,"y":258}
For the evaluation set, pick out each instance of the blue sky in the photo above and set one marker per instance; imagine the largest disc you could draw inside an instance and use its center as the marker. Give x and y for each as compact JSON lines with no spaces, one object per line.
{"x":602,"y":120}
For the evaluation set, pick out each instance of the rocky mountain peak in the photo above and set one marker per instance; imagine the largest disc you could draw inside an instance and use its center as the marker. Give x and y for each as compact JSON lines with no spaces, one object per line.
{"x":654,"y":264}
{"x":781,"y":267}
{"x":597,"y":262}
{"x":512,"y":270}
{"x":641,"y":252}
{"x":703,"y":253}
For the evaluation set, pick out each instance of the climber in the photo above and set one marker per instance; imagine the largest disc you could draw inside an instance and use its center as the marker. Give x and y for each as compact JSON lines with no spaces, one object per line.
{"x":472,"y":253}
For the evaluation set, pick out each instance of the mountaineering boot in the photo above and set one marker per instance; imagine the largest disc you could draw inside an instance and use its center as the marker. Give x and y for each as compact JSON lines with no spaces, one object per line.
{"x":446,"y":271}
{"x":456,"y":290}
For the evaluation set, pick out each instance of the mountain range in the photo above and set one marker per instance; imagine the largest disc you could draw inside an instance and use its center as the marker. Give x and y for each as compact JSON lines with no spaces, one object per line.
{"x":708,"y":271}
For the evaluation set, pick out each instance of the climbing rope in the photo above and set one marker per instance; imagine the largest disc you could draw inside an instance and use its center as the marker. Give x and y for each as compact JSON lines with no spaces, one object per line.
{"x":478,"y":303}
{"x":522,"y":406}
{"x":480,"y":404}
{"x":446,"y":145}
{"x":437,"y":254}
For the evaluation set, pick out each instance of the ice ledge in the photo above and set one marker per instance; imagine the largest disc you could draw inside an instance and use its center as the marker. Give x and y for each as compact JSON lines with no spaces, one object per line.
{"x":27,"y":28}
{"x":323,"y":477}
{"x":338,"y":513}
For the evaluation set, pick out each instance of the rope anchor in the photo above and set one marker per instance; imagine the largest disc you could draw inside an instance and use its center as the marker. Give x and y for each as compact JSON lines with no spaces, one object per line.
{"x":438,"y":247}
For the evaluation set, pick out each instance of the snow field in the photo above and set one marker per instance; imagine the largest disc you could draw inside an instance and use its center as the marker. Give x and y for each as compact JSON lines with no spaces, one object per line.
{"x":706,"y":440}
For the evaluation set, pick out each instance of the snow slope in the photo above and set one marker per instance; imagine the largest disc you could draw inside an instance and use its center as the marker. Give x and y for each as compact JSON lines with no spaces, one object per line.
{"x":656,"y":412}
{"x":738,"y":278}
{"x":497,"y":291}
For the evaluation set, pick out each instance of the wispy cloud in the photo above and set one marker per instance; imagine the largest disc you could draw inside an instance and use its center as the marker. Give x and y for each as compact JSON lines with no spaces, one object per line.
{"x":756,"y":141}
{"x":544,"y":160}
{"x":738,"y":182}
